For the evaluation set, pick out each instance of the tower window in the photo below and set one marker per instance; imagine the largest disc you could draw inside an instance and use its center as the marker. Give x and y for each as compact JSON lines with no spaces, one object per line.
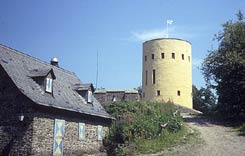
{"x":146,"y":73}
{"x":183,"y":56}
{"x":153,"y":76}
{"x":152,"y":56}
{"x":158,"y":93}
{"x":49,"y":85}
{"x":145,"y":58}
{"x":173,"y":55}
{"x":178,"y":92}
{"x":189,"y":58}
{"x":162,"y":55}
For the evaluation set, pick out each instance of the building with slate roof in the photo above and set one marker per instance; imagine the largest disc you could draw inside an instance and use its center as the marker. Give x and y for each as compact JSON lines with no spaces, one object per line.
{"x":107,"y":97}
{"x":46,"y":110}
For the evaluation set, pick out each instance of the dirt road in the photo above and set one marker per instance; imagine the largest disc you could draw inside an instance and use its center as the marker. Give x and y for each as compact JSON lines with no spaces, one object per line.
{"x":218,"y":140}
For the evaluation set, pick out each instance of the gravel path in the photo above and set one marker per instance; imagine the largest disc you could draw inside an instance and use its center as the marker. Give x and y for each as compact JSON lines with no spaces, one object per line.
{"x":218,"y":140}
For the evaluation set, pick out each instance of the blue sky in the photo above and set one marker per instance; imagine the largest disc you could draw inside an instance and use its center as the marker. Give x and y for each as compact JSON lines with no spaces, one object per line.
{"x":74,"y":30}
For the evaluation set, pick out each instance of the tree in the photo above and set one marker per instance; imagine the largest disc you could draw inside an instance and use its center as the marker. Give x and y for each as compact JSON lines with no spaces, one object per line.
{"x":224,"y":68}
{"x":203,"y":100}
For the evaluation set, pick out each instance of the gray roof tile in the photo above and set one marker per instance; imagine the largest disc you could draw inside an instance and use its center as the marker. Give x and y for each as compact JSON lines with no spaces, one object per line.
{"x":21,"y":67}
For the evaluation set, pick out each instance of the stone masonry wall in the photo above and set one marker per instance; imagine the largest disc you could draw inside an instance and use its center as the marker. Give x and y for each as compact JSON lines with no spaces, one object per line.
{"x":34,"y":135}
{"x":106,"y":97}
{"x":15,"y":136}
{"x":132,"y":97}
{"x":43,"y":132}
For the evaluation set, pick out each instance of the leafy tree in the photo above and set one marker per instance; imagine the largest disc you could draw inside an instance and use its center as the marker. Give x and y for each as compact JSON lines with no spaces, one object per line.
{"x":203,"y":100}
{"x":224,"y":68}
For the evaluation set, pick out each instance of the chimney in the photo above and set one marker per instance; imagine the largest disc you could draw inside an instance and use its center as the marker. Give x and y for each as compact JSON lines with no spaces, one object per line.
{"x":54,"y":61}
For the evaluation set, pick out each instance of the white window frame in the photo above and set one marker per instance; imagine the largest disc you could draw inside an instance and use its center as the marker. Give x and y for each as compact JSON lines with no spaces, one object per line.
{"x":48,"y":85}
{"x":90,"y":96}
{"x":114,"y":99}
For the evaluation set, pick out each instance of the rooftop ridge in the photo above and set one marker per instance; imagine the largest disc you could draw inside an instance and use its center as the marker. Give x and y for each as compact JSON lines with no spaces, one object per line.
{"x":36,"y":59}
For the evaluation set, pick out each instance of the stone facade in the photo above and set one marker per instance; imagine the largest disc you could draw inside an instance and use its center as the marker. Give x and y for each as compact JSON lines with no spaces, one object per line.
{"x":110,"y":96}
{"x":35,"y":134}
{"x":167,"y":71}
{"x":43,"y":123}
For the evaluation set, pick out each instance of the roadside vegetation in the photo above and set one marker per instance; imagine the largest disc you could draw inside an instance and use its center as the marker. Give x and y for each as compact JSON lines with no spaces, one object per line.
{"x":224,"y":72}
{"x":241,"y":129}
{"x":224,"y":69}
{"x":143,"y":127}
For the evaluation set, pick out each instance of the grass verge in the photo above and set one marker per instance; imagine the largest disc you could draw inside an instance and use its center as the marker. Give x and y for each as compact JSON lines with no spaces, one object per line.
{"x":185,"y":136}
{"x":145,"y":146}
{"x":241,"y":129}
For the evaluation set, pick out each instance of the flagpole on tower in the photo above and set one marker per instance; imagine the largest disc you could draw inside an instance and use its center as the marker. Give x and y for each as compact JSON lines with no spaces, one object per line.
{"x":168,"y":22}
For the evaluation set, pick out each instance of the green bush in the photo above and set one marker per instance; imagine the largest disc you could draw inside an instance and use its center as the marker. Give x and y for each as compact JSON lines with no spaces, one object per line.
{"x":140,"y":120}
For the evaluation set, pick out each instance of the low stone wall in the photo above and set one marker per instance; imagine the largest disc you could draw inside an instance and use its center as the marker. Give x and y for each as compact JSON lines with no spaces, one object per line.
{"x":107,"y":96}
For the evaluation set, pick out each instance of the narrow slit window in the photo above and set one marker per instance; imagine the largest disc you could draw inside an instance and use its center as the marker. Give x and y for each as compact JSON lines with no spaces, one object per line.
{"x":145,"y":58}
{"x":146,"y":73}
{"x":49,"y":85}
{"x":183,"y":56}
{"x":162,"y":55}
{"x":158,"y":93}
{"x":152,"y":56}
{"x":153,"y":76}
{"x":178,"y":92}
{"x":173,"y":55}
{"x":189,"y":58}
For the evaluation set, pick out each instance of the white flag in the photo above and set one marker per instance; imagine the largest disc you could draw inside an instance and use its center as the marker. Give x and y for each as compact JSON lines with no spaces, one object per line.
{"x":169,"y":21}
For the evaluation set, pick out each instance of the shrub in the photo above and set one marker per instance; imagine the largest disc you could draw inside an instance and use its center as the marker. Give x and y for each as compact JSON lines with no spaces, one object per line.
{"x":242,"y":129}
{"x":140,"y":120}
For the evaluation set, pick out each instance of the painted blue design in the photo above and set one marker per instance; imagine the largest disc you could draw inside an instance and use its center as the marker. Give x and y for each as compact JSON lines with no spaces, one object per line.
{"x":59,"y":130}
{"x":100,"y":133}
{"x":82,"y":135}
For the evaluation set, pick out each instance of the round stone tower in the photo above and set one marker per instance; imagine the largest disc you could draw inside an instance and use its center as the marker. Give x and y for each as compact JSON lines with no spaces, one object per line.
{"x":167,"y":71}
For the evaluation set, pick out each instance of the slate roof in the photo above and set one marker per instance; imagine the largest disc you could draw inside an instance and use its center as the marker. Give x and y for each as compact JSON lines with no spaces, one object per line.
{"x":116,"y":91}
{"x":21,"y":68}
{"x":41,"y":73}
{"x":84,"y":86}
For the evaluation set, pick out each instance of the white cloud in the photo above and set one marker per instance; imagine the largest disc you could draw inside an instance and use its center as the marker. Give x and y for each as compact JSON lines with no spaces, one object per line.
{"x":148,"y":35}
{"x":159,"y":33}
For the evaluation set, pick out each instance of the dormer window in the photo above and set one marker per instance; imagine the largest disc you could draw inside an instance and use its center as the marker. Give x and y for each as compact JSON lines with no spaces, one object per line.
{"x":86,"y":91}
{"x":90,"y":96}
{"x":49,"y":85}
{"x":44,"y":78}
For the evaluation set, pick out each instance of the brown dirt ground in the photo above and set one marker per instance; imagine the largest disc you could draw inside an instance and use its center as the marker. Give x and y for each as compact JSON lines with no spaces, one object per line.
{"x":217,"y":140}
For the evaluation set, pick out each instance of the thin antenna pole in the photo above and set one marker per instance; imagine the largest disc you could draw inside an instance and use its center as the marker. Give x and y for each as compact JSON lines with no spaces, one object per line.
{"x":168,"y":22}
{"x":97,"y":70}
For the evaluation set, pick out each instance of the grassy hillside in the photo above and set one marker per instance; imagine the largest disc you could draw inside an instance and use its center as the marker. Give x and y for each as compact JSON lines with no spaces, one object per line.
{"x":143,"y":127}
